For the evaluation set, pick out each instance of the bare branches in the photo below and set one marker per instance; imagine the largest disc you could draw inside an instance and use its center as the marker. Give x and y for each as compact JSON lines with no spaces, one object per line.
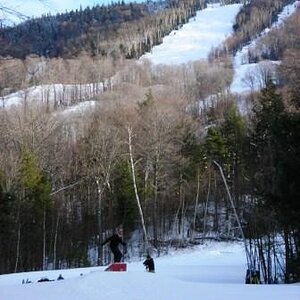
{"x":9,"y":12}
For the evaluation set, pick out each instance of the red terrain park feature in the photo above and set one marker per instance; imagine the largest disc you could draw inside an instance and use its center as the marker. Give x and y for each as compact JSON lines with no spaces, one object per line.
{"x":117,"y":267}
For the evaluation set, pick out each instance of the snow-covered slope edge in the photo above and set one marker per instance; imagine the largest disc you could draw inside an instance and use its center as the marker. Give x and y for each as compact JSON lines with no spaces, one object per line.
{"x":244,"y":69}
{"x":213,"y":271}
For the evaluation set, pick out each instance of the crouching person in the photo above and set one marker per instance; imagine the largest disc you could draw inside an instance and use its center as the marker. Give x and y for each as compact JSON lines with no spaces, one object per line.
{"x":149,"y":264}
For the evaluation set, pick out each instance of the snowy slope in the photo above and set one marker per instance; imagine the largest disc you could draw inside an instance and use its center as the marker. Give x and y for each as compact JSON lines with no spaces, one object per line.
{"x":240,"y":60}
{"x":196,"y":38}
{"x":211,"y":272}
{"x":192,"y":42}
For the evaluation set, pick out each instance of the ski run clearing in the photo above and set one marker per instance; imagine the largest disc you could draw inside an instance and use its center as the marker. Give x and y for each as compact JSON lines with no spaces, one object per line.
{"x":195,"y":39}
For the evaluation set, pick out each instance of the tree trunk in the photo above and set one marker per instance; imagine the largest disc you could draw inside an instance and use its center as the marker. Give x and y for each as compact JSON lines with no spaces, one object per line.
{"x":196,"y":203}
{"x":44,"y":240}
{"x":18,"y":247}
{"x":55,"y":243}
{"x":206,"y":207}
{"x":147,"y":246}
{"x":99,"y":219}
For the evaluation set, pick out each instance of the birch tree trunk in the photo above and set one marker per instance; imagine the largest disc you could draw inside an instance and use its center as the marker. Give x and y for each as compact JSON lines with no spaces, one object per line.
{"x":99,"y":219}
{"x":147,"y":246}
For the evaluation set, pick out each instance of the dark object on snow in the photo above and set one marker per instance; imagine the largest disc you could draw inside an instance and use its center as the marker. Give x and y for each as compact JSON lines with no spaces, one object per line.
{"x":60,"y":277}
{"x":25,"y":282}
{"x":44,"y":279}
{"x":252,"y":277}
{"x":149,"y":264}
{"x":114,"y":242}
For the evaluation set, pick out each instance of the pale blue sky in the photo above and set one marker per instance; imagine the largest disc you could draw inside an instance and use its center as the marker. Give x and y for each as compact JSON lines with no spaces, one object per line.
{"x":38,"y":7}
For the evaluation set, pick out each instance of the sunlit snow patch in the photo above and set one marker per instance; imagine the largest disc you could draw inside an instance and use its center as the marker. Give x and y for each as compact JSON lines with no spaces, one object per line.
{"x":195,"y":39}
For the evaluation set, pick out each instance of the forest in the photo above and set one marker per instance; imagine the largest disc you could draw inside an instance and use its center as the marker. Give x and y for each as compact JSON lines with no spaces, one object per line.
{"x":151,"y":140}
{"x":119,"y":29}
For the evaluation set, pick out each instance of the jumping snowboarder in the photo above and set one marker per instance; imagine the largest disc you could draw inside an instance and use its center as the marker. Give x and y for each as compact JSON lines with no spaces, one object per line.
{"x":114,"y":242}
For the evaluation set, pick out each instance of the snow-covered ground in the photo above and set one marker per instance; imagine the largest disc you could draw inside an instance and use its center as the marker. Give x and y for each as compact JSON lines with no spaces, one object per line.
{"x":194,"y":40}
{"x":215,"y":271}
{"x":59,"y":93}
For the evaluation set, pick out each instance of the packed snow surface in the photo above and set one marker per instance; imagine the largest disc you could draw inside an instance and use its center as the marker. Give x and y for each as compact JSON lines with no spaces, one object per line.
{"x":214,"y":271}
{"x":194,"y":40}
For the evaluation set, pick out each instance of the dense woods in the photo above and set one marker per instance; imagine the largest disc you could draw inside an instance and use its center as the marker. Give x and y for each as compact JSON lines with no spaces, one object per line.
{"x":120,"y":29}
{"x":66,"y":177}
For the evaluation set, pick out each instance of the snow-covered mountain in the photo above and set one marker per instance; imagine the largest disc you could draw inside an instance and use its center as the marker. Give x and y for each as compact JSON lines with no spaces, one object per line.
{"x":195,"y":39}
{"x":192,"y":42}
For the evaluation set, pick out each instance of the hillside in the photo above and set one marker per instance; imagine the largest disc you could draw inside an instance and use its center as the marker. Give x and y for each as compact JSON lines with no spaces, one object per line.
{"x":120,"y":29}
{"x":99,"y":142}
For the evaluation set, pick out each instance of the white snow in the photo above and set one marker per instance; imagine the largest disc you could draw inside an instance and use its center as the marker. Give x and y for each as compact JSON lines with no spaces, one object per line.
{"x":214,"y":271}
{"x":62,"y":94}
{"x":194,"y":40}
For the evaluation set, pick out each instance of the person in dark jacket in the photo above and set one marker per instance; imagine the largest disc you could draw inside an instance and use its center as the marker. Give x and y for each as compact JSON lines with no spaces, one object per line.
{"x":149,"y":264}
{"x":114,"y":241}
{"x":60,"y":277}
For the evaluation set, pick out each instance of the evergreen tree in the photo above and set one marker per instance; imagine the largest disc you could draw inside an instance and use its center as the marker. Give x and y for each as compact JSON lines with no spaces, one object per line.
{"x":125,"y":205}
{"x":7,"y":229}
{"x":276,"y":138}
{"x":34,"y":212}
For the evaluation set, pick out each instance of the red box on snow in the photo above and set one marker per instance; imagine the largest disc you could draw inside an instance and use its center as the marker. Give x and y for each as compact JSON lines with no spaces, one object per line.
{"x":117,"y":267}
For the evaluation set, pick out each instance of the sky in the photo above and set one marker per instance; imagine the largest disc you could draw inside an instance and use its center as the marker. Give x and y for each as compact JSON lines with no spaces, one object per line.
{"x":38,"y":7}
{"x":213,"y":271}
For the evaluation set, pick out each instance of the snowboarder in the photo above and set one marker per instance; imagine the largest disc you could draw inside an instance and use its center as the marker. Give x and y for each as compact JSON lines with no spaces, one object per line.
{"x":149,"y":264}
{"x":60,"y":277}
{"x":114,"y":242}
